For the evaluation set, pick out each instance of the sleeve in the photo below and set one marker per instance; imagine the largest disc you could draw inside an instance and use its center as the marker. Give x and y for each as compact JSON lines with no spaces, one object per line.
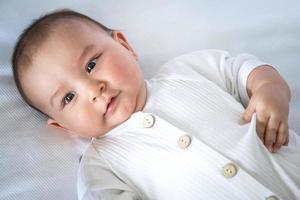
{"x":228,"y":72}
{"x":97,"y":181}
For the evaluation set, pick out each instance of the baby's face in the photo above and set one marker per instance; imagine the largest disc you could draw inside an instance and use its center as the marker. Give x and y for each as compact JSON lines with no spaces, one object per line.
{"x":86,"y":80}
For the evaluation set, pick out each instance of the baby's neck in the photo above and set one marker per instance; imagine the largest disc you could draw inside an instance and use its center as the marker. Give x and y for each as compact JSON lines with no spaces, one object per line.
{"x":141,"y":98}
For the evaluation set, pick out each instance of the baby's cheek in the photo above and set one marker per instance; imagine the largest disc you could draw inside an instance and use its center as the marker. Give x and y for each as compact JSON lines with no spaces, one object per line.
{"x":83,"y":123}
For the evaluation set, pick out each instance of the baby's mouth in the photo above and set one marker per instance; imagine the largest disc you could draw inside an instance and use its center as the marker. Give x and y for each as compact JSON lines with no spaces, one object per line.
{"x":111,"y":105}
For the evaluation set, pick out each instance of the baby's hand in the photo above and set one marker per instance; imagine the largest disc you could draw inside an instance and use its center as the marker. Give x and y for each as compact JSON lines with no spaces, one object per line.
{"x":272,"y":110}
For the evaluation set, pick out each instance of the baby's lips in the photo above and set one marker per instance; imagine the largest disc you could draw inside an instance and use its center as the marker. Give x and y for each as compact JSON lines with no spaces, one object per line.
{"x":107,"y":104}
{"x":109,"y":101}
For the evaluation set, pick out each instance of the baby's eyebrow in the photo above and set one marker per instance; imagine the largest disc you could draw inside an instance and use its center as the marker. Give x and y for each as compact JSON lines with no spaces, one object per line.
{"x":53,"y":96}
{"x":85,"y":51}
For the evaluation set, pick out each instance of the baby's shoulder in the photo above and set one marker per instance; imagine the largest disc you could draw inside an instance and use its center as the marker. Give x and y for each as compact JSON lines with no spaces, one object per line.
{"x":90,"y":155}
{"x":188,"y":64}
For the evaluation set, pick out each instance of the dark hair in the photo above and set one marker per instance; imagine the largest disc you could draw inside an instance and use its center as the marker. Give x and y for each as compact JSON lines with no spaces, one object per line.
{"x":32,"y":38}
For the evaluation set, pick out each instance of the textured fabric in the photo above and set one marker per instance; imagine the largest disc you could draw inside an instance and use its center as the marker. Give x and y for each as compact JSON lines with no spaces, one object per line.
{"x":36,"y":161}
{"x":197,"y":95}
{"x":157,"y":30}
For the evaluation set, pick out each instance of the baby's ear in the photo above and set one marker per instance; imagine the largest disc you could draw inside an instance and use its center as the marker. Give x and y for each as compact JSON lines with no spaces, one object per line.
{"x":120,"y":37}
{"x":55,"y":124}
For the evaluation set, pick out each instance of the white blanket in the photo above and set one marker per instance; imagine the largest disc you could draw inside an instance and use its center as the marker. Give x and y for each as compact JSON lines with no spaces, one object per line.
{"x":38,"y":162}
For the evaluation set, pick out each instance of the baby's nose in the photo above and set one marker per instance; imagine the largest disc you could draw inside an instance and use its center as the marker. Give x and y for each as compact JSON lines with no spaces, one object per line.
{"x":96,"y":91}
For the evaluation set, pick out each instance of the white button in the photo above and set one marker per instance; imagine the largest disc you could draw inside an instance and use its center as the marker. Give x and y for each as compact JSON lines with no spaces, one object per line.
{"x":184,"y":141}
{"x":272,"y":198}
{"x":148,"y":121}
{"x":229,"y":170}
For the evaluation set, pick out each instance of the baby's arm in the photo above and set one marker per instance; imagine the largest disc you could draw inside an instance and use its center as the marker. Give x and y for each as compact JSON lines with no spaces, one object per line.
{"x":269,"y":93}
{"x":269,"y":99}
{"x":97,"y":181}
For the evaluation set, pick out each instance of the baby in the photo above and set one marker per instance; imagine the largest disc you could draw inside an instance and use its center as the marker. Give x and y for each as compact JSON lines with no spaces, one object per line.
{"x":183,"y":134}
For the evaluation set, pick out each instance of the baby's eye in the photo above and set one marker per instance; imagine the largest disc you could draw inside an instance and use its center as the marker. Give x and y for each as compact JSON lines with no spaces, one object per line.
{"x":68,"y":98}
{"x":90,"y":66}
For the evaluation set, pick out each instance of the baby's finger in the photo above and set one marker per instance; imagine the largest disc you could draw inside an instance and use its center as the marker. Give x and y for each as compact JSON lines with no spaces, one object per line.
{"x":261,"y":136}
{"x":247,"y":115}
{"x":281,"y":136}
{"x":270,"y":136}
{"x":261,"y":124}
{"x":287,"y":140}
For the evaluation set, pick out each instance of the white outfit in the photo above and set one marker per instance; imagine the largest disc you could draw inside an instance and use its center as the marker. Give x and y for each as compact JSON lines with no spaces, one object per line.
{"x":187,"y":143}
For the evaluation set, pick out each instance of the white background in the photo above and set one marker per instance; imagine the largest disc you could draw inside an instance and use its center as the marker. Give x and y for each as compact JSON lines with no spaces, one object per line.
{"x":40,"y":163}
{"x":160,"y":30}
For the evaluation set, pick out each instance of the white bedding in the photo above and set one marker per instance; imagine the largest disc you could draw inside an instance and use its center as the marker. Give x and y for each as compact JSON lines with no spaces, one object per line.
{"x":38,"y":162}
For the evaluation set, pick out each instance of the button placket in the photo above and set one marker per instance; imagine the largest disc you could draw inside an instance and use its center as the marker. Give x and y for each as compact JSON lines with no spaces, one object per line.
{"x":272,"y":198}
{"x":229,"y":170}
{"x":148,"y":121}
{"x":184,"y":141}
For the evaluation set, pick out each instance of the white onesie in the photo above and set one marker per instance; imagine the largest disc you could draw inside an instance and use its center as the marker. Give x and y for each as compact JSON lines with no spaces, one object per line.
{"x":187,"y":143}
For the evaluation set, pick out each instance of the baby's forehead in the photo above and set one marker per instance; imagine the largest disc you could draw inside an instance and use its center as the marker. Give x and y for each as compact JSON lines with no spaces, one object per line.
{"x":72,"y":33}
{"x":69,"y":27}
{"x":66,"y":42}
{"x":72,"y":23}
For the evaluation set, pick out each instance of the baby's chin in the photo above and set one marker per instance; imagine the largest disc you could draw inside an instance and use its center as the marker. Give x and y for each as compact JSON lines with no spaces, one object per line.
{"x":121,"y":115}
{"x":118,"y":117}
